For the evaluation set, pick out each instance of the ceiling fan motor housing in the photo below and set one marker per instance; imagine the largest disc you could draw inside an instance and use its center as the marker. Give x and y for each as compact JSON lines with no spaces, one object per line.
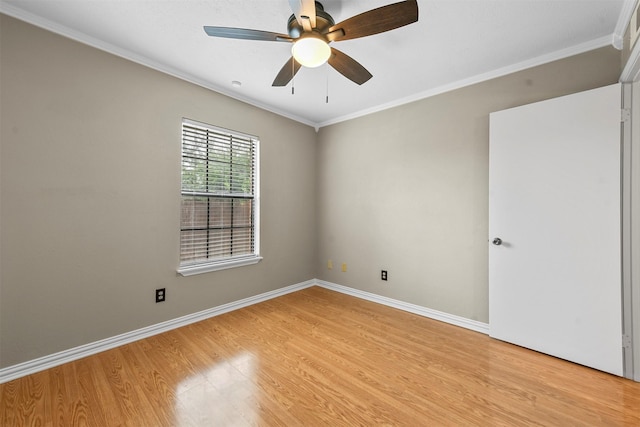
{"x":323,"y":22}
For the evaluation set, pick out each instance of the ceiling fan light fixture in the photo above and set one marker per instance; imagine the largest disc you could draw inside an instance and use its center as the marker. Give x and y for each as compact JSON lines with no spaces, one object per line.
{"x":311,"y":51}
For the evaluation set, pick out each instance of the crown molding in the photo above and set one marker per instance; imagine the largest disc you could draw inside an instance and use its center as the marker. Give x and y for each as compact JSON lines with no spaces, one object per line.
{"x":628,"y":7}
{"x":65,"y":31}
{"x":83,"y":38}
{"x":479,"y":78}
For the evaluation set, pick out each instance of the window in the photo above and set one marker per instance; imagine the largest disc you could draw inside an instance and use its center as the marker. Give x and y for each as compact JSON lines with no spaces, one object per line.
{"x":219,"y":216}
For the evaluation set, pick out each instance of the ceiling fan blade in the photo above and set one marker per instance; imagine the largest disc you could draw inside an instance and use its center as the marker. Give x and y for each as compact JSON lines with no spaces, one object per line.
{"x":375,"y":21}
{"x":245,"y":34}
{"x":348,"y":67}
{"x":288,"y":70}
{"x":305,"y":12}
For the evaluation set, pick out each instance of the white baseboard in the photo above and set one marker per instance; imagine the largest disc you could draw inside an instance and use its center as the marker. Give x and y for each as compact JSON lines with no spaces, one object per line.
{"x":452,"y":319}
{"x":56,"y":359}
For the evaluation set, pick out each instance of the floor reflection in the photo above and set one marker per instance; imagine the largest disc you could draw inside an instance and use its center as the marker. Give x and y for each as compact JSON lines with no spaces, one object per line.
{"x":224,"y":395}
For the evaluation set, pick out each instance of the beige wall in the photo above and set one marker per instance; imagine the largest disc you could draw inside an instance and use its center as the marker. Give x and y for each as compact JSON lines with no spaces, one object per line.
{"x":90,"y":195}
{"x":406,"y":189}
{"x":90,"y":179}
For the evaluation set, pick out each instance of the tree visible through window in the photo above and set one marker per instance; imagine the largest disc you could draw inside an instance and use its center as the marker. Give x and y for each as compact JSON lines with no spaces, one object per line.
{"x":219,"y":195}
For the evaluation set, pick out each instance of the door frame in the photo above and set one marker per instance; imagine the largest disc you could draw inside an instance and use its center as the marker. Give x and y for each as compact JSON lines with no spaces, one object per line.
{"x":630,"y":140}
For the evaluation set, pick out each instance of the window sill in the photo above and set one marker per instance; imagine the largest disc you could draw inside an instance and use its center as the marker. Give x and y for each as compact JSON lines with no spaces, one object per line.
{"x":190,"y":270}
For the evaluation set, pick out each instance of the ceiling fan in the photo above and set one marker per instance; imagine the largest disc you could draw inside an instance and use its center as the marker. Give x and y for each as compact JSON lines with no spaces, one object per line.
{"x":311,"y":29}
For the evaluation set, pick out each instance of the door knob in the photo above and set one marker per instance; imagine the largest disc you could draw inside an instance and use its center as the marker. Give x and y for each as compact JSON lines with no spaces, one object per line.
{"x":497,"y":241}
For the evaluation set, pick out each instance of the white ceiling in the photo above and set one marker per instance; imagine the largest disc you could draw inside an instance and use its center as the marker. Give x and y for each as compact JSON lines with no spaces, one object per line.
{"x":454,"y":43}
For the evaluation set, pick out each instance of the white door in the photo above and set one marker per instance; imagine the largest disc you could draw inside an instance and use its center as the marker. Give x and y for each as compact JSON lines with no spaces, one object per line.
{"x":554,"y":201}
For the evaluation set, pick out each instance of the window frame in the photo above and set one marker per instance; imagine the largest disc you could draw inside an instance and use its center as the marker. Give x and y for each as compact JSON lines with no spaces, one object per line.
{"x":205,"y":266}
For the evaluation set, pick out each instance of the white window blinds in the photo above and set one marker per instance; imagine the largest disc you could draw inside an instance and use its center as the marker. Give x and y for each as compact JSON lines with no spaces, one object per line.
{"x":218,"y":225}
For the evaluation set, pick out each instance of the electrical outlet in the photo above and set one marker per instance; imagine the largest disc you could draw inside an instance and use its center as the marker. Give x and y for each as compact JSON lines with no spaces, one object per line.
{"x":383,"y":275}
{"x":330,"y":265}
{"x":161,"y":295}
{"x":344,"y":267}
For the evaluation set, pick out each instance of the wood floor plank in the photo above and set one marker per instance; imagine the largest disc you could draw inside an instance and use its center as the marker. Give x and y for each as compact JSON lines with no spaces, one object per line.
{"x":317,"y":357}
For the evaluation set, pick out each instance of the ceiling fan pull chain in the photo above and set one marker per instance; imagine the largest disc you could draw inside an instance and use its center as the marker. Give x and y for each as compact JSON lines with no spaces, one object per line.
{"x":327,"y":95}
{"x":293,"y":75}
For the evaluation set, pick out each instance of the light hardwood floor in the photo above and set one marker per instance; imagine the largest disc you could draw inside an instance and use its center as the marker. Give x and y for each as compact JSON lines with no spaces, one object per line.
{"x":316,"y":357}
